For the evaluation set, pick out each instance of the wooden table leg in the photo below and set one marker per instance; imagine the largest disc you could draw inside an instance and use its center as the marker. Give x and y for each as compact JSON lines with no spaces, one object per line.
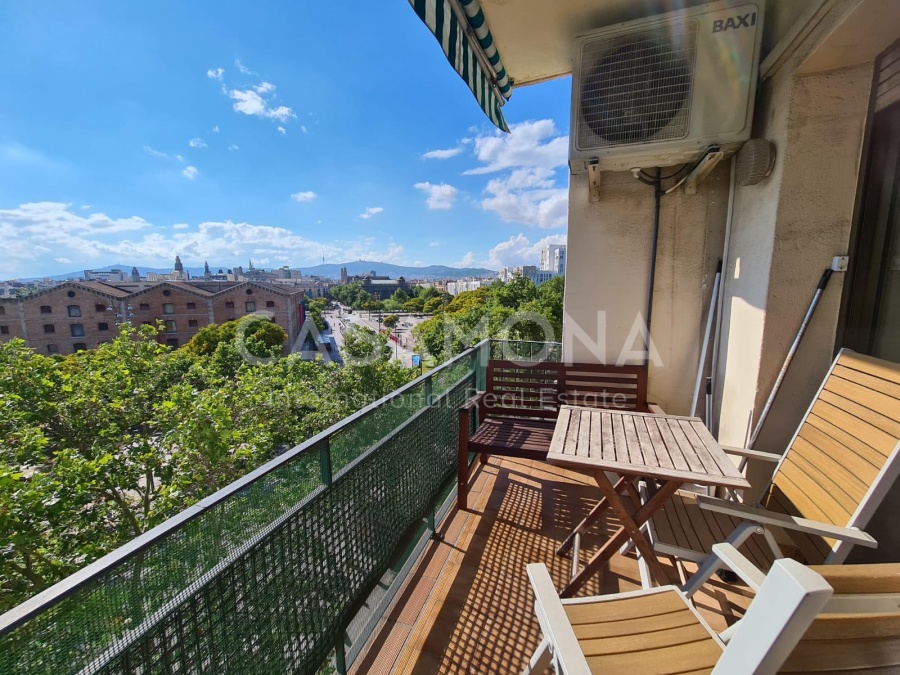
{"x":631,"y":525}
{"x":595,"y":513}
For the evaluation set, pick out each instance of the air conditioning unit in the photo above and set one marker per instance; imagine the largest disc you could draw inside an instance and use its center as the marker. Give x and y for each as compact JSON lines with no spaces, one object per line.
{"x":659,"y":91}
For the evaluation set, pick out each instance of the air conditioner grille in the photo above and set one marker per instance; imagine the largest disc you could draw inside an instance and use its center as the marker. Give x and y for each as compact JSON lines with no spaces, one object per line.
{"x":637,"y":87}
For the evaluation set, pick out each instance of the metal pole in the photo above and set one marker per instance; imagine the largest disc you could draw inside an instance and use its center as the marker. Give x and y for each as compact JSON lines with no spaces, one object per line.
{"x":657,"y":193}
{"x":714,"y":367}
{"x":823,"y":282}
{"x":713,"y":303}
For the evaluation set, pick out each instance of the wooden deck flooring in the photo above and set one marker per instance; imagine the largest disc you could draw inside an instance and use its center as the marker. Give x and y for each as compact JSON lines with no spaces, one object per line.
{"x":468,"y":607}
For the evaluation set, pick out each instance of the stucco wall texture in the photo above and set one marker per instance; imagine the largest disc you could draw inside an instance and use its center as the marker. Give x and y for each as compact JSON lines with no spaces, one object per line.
{"x":608,"y":266}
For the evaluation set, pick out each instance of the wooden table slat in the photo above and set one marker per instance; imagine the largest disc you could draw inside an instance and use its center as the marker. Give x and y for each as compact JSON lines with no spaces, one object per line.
{"x":666,"y":447}
{"x":631,"y":439}
{"x":582,"y":449}
{"x":608,"y":448}
{"x":559,"y":439}
{"x":687,"y":450}
{"x":671,"y":445}
{"x":619,"y":435}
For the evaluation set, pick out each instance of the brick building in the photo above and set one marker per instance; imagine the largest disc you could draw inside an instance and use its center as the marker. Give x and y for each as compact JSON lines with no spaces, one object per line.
{"x":82,"y":314}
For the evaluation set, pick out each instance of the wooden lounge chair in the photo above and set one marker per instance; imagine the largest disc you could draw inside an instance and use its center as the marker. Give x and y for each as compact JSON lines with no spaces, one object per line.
{"x":659,"y":631}
{"x":840,"y":464}
{"x":518,"y":410}
{"x":837,"y":618}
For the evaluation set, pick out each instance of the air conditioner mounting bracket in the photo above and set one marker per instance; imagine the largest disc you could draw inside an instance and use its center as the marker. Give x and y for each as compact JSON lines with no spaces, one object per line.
{"x":702,"y":170}
{"x":594,"y":181}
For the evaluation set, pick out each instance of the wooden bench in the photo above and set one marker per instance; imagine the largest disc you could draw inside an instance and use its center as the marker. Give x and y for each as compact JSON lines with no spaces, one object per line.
{"x":517,"y":412}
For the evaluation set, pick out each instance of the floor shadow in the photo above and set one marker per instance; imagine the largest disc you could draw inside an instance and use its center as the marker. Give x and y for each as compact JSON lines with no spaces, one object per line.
{"x":486,"y":623}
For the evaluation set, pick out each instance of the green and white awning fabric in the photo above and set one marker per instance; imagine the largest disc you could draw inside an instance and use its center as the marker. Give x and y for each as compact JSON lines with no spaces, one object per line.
{"x":452,"y":22}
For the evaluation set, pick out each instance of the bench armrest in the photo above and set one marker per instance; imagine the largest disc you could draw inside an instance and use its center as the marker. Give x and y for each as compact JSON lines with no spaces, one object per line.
{"x":472,"y":402}
{"x":751,"y":454}
{"x":765,"y":517}
{"x":655,"y":409}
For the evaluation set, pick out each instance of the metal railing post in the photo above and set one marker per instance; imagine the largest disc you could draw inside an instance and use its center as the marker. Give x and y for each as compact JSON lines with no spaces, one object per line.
{"x":428,"y":390}
{"x":325,"y":461}
{"x":340,"y":657}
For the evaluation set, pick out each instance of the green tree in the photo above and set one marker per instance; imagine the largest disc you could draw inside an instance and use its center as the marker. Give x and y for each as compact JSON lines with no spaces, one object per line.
{"x":400,"y":296}
{"x":102,"y":445}
{"x":433,"y":305}
{"x":413,"y":305}
{"x":362,"y":345}
{"x":391,"y":320}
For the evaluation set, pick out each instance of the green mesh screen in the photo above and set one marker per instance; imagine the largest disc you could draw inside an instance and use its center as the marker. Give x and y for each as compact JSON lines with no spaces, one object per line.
{"x":267,"y":580}
{"x":521,"y":350}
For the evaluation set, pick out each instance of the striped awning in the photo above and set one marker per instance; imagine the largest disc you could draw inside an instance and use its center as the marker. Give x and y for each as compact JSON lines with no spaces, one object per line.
{"x":478,"y":63}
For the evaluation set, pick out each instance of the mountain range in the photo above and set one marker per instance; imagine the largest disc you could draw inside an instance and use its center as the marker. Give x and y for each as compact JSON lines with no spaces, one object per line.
{"x":329,"y":271}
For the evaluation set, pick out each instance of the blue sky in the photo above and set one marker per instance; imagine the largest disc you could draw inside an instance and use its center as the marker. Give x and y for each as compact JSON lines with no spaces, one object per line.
{"x":285,"y":132}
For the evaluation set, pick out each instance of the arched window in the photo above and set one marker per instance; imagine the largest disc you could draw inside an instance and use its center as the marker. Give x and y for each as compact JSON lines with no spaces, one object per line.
{"x":77,"y":330}
{"x":74,"y":310}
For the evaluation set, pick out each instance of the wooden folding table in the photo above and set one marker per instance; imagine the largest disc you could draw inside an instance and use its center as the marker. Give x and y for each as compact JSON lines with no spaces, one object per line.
{"x":667,"y":450}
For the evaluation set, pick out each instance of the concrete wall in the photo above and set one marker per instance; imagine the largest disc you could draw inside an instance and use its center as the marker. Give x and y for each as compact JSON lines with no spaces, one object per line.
{"x":786,"y":231}
{"x":609,"y":250}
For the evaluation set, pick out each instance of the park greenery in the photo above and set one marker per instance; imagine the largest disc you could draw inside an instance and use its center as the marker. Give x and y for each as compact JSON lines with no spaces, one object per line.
{"x":100,"y":446}
{"x":517,"y":310}
{"x":418,"y":299}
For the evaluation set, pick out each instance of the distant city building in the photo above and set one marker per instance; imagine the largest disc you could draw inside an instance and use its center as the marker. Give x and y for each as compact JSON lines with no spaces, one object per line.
{"x":528,"y":271}
{"x":105,"y":275}
{"x":463,"y":285}
{"x":76,"y":315}
{"x":379,"y":287}
{"x":553,"y":264}
{"x":553,"y":258}
{"x":177,"y":274}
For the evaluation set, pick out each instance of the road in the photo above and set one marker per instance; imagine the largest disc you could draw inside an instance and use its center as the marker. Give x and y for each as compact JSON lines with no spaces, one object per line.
{"x":404,"y":348}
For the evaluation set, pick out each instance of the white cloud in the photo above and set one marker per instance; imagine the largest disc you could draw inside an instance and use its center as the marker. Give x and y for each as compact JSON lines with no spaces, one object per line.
{"x":370,"y":211}
{"x":527,"y":160}
{"x":165,"y":155}
{"x":249,"y":102}
{"x":63,"y":261}
{"x":264,"y":88}
{"x":197,"y":143}
{"x":442,"y":154}
{"x":303,"y":129}
{"x":215,"y":73}
{"x":518,"y":250}
{"x":440,"y":197}
{"x":181,"y":226}
{"x":85,"y":206}
{"x":155,"y":153}
{"x":468,"y":260}
{"x":190,"y":172}
{"x":241,"y":67}
{"x":33,"y":234}
{"x":234,"y":147}
{"x":301,"y":197}
{"x":215,"y":129}
{"x":435,"y":243}
{"x":529,"y":144}
{"x":281,"y":130}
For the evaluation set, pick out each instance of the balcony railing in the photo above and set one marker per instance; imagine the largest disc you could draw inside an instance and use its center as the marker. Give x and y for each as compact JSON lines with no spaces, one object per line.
{"x":285,"y":570}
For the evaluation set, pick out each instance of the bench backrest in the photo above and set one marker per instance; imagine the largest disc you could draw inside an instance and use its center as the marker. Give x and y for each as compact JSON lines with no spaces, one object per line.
{"x":844,"y":457}
{"x":537,"y":389}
